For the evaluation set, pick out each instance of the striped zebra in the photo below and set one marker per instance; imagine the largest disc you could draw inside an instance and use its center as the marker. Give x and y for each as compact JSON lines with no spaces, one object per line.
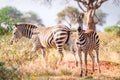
{"x":86,"y":42}
{"x":20,"y":30}
{"x":45,"y":37}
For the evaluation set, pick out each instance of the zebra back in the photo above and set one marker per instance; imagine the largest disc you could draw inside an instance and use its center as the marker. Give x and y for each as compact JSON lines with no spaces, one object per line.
{"x":48,"y":35}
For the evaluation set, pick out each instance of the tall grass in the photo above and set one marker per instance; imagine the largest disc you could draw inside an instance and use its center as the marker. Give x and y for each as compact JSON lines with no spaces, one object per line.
{"x":110,"y":46}
{"x":28,"y":65}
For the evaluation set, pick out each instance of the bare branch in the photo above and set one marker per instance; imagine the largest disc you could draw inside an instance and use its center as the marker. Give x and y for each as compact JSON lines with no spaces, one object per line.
{"x":68,"y":23}
{"x":80,"y":7}
{"x":116,"y":2}
{"x":83,"y":2}
{"x":99,"y":3}
{"x":97,"y":18}
{"x":91,"y":3}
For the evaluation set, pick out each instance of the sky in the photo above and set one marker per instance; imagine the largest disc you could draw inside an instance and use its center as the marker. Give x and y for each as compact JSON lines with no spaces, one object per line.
{"x":48,"y":14}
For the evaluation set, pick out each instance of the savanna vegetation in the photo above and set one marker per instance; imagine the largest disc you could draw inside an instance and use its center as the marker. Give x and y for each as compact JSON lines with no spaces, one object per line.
{"x":18,"y":62}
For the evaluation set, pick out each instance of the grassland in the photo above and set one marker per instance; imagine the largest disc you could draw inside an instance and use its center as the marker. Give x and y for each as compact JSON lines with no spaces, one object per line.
{"x":18,"y":62}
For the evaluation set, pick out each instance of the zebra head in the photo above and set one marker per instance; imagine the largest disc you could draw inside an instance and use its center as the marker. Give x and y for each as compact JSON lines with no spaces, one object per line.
{"x":16,"y":34}
{"x":22,"y":29}
{"x":80,"y":31}
{"x":79,"y":20}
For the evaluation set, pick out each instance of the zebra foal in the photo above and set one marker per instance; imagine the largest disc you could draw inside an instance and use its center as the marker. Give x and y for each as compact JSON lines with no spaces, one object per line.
{"x":86,"y":42}
{"x":45,"y":37}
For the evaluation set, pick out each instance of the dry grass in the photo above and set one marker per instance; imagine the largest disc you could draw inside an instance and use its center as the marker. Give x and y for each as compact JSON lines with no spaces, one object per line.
{"x":31,"y":65}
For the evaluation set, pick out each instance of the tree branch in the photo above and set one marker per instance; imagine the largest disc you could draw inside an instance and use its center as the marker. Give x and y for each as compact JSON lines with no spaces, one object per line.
{"x":80,"y":7}
{"x":68,"y":23}
{"x":98,"y":3}
{"x":83,"y":2}
{"x":97,"y":18}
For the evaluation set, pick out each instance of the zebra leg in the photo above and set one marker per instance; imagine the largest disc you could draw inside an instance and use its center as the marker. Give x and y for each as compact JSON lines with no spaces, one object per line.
{"x":70,"y":43}
{"x":35,"y":42}
{"x":43,"y":52}
{"x":98,"y":64}
{"x":43,"y":56}
{"x":80,"y":57}
{"x":61,"y":53}
{"x":85,"y":57}
{"x":93,"y":60}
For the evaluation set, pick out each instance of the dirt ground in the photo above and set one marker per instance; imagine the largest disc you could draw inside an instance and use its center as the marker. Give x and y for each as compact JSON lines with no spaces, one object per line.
{"x":109,"y":71}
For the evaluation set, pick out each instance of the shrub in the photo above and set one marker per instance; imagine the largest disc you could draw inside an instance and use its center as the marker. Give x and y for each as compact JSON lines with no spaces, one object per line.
{"x":112,"y":29}
{"x":7,"y":74}
{"x":2,"y":31}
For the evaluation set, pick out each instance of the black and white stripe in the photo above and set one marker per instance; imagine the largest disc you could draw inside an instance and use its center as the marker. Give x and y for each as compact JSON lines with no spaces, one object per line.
{"x":55,"y":36}
{"x":22,"y":29}
{"x":87,"y":41}
{"x":45,"y":37}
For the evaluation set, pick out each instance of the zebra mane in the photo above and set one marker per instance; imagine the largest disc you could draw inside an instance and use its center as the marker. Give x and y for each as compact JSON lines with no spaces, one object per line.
{"x":24,"y":25}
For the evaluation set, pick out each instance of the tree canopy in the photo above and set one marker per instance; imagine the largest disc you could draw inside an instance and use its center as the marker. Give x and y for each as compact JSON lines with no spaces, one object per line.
{"x":31,"y":17}
{"x":68,"y":16}
{"x":10,"y":15}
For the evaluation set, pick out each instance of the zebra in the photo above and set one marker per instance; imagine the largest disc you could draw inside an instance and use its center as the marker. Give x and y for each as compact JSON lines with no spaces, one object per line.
{"x":20,"y":30}
{"x":46,"y":37}
{"x":86,"y":42}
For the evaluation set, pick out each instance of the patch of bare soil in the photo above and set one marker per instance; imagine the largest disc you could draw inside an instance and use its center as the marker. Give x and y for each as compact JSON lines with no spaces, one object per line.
{"x":109,"y":70}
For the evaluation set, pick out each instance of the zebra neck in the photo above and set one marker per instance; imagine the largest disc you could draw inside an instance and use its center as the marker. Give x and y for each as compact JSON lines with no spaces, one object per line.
{"x":27,"y":33}
{"x":82,"y":37}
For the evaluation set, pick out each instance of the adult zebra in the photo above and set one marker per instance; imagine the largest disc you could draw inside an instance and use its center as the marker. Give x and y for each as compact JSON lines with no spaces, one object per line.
{"x":20,"y":30}
{"x":45,"y":37}
{"x":87,"y":41}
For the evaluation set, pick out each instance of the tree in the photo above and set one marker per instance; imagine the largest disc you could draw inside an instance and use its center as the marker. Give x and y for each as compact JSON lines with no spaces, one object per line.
{"x":112,"y":29}
{"x":68,"y":15}
{"x":31,"y":17}
{"x":89,"y":7}
{"x":101,"y":16}
{"x":116,"y":2}
{"x":118,"y":22}
{"x":10,"y":15}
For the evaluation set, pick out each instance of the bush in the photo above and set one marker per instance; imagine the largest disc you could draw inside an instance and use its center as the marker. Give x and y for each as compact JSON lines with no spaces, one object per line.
{"x":2,"y":31}
{"x":112,"y":29}
{"x":7,"y":74}
{"x":5,"y":32}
